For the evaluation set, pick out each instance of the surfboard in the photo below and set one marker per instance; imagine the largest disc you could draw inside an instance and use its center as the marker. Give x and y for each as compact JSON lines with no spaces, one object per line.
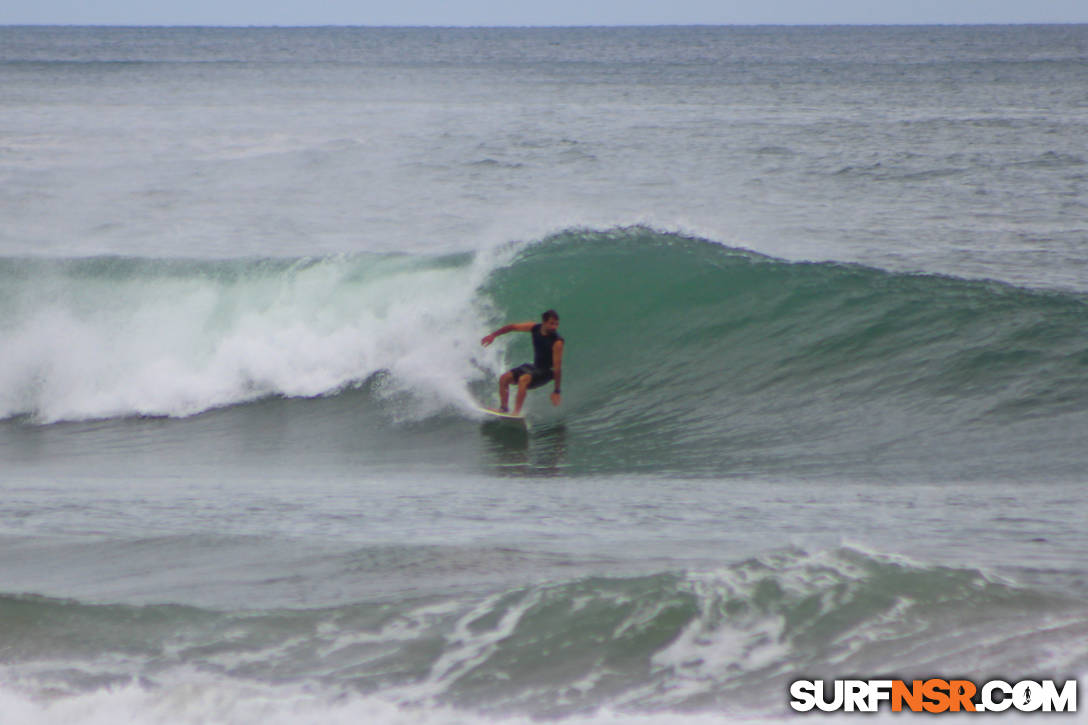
{"x":494,"y":416}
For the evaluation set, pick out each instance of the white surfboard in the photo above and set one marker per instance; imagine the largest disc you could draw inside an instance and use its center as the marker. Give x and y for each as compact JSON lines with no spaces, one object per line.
{"x":494,"y":416}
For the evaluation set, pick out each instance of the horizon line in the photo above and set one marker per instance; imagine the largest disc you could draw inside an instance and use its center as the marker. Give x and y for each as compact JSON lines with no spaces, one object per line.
{"x":316,"y":26}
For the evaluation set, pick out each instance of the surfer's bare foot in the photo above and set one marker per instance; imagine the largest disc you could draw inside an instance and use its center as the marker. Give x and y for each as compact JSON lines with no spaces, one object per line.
{"x":503,"y":409}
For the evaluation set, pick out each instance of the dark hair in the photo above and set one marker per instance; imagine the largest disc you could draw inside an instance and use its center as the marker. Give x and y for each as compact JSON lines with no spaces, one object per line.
{"x":549,"y":315}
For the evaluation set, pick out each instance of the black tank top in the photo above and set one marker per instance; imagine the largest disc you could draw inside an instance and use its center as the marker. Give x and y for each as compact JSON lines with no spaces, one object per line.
{"x":542,"y":348}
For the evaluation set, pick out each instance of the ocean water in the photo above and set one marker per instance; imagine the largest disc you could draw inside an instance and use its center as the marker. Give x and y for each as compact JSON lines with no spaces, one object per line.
{"x":825,"y":411}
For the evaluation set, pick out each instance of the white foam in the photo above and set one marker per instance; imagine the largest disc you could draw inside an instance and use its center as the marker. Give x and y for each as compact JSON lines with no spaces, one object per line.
{"x":176,"y":345}
{"x":233,"y":703}
{"x":204,"y":702}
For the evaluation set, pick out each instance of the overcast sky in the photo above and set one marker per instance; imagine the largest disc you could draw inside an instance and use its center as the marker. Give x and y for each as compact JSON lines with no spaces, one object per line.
{"x":539,"y":12}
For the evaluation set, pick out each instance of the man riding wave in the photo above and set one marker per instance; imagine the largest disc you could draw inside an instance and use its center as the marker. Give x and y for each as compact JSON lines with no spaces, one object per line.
{"x":547,"y":361}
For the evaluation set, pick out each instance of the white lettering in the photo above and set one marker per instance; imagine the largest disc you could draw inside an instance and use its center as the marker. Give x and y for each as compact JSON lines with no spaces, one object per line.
{"x":879,"y":691}
{"x":822,"y":701}
{"x":1065,"y":701}
{"x":804,"y":695}
{"x":1027,"y":696}
{"x":989,"y":704}
{"x":856,"y":696}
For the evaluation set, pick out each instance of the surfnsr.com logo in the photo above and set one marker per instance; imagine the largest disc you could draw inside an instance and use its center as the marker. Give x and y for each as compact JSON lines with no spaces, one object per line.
{"x":933,"y":696}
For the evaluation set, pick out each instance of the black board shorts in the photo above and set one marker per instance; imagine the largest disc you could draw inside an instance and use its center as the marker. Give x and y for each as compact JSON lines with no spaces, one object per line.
{"x":539,"y":376}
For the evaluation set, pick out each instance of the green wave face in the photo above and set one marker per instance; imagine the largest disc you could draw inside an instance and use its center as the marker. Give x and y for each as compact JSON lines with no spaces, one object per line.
{"x":685,"y":354}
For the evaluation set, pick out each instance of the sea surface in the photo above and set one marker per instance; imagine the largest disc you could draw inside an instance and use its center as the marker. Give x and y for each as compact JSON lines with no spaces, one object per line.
{"x":825,"y":391}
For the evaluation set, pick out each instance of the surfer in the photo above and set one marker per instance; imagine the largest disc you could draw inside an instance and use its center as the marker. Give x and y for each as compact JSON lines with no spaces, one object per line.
{"x":547,"y":361}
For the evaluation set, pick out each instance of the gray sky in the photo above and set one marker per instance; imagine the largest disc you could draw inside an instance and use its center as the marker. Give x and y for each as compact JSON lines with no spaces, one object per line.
{"x":539,"y":12}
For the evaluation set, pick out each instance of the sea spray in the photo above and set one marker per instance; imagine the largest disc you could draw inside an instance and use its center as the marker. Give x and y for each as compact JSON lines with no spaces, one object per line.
{"x":110,"y":337}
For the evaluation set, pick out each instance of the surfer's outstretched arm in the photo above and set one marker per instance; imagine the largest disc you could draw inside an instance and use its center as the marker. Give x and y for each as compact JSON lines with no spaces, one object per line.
{"x":515,"y":327}
{"x":557,"y":369}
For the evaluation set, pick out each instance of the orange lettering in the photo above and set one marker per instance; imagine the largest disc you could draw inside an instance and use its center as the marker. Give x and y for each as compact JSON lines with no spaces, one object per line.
{"x":911,"y":695}
{"x":936,"y":691}
{"x":961,"y":693}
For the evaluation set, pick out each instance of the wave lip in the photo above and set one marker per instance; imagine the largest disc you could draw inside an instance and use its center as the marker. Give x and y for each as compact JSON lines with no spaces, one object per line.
{"x":113,"y":337}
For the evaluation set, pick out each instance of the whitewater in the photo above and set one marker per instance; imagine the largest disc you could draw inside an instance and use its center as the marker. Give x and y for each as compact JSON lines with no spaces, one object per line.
{"x":824,"y":291}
